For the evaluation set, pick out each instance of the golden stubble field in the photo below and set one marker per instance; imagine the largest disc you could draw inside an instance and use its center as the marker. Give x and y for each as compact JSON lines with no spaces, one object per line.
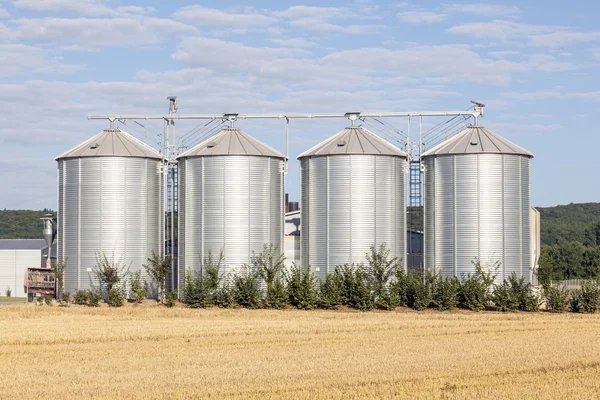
{"x":146,"y":351}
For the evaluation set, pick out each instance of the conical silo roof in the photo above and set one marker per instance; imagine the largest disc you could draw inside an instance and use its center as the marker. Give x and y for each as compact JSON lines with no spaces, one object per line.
{"x":231,"y":142}
{"x":112,"y":143}
{"x":354,"y":140}
{"x":476,"y":140}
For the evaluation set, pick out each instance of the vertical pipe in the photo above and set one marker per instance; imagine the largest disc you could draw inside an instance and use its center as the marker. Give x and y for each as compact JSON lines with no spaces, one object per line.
{"x":172,"y":169}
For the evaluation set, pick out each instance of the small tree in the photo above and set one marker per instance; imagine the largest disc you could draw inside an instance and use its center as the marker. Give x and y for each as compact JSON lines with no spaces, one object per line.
{"x":110,"y":275}
{"x":8,"y":292}
{"x":445,"y":292}
{"x":357,"y":286}
{"x":201,"y":288}
{"x":301,"y":288}
{"x":138,"y":294}
{"x":158,"y":269}
{"x":557,"y":299}
{"x":589,"y":297}
{"x":382,"y":269}
{"x":245,"y":288}
{"x":59,"y":273}
{"x":331,"y":292}
{"x":270,"y":264}
{"x":419,"y":292}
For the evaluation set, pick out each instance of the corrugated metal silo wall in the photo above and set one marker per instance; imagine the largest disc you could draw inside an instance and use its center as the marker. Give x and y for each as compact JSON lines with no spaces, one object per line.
{"x":348,"y":203}
{"x":229,"y":203}
{"x":477,"y":207}
{"x":111,"y":206}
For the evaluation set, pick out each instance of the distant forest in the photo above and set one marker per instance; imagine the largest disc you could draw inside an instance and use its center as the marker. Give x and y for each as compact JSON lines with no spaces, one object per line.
{"x":22,"y":224}
{"x":570,"y":236}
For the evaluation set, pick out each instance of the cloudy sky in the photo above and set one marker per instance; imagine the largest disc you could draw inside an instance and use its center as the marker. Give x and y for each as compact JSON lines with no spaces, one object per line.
{"x":534,"y":64}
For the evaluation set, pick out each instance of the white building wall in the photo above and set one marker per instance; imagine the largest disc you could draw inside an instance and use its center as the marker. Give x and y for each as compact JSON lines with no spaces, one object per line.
{"x":13,"y":264}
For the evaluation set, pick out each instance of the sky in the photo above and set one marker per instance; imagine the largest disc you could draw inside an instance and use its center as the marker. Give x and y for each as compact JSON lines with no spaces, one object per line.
{"x":534,"y":64}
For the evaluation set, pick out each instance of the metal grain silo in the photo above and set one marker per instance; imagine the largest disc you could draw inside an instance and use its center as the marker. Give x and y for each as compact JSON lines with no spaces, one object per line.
{"x":110,"y":201}
{"x":477,"y":205}
{"x":230,"y":199}
{"x":353,"y":195}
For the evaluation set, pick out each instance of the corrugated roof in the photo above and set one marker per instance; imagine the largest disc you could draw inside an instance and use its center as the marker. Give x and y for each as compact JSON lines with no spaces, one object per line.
{"x":231,"y":142}
{"x":474,"y":140}
{"x":22,"y":244}
{"x":112,"y":143}
{"x":354,"y":140}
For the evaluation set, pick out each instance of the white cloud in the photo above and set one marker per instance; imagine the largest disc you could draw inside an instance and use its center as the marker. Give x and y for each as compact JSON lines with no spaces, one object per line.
{"x":213,"y":18}
{"x":515,"y":129}
{"x":19,"y":59}
{"x":4,"y":13}
{"x":294,"y":42}
{"x":96,"y":32}
{"x":483,"y":9}
{"x":420,"y":17}
{"x":321,"y":19}
{"x":532,"y":35}
{"x":595,"y":53}
{"x":501,"y":30}
{"x":321,"y":13}
{"x":563,"y":38}
{"x":80,"y":7}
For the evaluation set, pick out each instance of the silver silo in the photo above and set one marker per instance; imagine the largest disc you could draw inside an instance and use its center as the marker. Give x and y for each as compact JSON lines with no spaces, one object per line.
{"x":230,"y":199}
{"x":353,"y":195}
{"x":477,"y":205}
{"x":110,"y":201}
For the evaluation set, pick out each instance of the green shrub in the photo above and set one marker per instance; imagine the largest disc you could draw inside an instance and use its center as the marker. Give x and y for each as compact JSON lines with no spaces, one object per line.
{"x":171,"y":298}
{"x":158,"y":269}
{"x":93,"y":298}
{"x":225,"y":295}
{"x":40,"y":300}
{"x":574,"y":303}
{"x":399,"y":287}
{"x":557,"y":299}
{"x":302,"y":288}
{"x":589,"y":297}
{"x":138,"y":294}
{"x":357,"y":287}
{"x":116,"y":296}
{"x":473,"y":294}
{"x":331,"y":292}
{"x":381,"y":271}
{"x":202,"y":288}
{"x":8,"y":292}
{"x":503,"y":298}
{"x":277,"y":296}
{"x":197,"y":291}
{"x":246,"y":289}
{"x":81,"y":297}
{"x":445,"y":292}
{"x":66,"y":296}
{"x":419,"y":292}
{"x":269,"y":264}
{"x":109,"y":273}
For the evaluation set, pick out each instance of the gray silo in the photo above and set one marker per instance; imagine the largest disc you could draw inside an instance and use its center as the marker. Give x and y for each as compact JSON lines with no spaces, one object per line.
{"x":353,"y":195}
{"x":477,"y":205}
{"x":230,"y":199}
{"x":110,"y":201}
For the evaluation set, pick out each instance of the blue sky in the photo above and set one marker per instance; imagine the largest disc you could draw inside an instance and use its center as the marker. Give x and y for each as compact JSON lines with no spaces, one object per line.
{"x":534,"y":64}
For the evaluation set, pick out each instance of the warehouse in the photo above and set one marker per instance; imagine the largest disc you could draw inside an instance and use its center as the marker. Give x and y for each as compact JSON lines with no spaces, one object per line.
{"x":16,"y":255}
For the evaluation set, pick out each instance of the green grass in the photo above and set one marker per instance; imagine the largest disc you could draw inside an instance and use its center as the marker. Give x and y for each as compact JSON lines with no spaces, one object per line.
{"x":4,"y":299}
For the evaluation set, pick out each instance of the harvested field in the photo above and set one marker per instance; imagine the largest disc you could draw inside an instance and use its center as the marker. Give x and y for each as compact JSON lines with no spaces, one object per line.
{"x":147,"y":351}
